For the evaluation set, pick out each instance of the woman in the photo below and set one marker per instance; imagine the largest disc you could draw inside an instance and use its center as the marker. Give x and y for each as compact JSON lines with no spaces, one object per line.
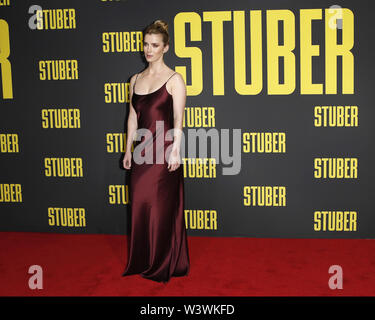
{"x":158,"y":237}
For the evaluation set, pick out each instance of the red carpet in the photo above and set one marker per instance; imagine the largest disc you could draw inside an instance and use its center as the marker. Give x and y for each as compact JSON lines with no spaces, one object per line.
{"x":91,"y":265}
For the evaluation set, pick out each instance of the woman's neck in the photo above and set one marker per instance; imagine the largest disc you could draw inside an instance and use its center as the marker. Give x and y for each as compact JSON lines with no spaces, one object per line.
{"x":155,"y":68}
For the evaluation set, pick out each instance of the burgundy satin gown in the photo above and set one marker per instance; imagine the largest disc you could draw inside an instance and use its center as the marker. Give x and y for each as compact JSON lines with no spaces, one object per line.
{"x":158,"y":238}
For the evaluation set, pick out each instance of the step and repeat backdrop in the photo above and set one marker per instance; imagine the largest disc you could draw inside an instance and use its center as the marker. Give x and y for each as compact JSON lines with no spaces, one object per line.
{"x":284,"y":88}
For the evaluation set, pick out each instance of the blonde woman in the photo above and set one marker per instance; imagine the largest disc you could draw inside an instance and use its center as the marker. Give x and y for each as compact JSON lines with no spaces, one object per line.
{"x":158,"y":239}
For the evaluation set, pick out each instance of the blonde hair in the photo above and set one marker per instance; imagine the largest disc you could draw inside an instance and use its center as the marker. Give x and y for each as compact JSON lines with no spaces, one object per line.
{"x":158,"y":27}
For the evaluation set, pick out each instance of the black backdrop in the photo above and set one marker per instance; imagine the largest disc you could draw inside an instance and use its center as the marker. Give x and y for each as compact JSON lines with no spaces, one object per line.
{"x":97,"y":201}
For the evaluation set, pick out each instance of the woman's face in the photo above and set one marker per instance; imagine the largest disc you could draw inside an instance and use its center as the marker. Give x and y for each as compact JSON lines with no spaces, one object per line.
{"x":153,"y":47}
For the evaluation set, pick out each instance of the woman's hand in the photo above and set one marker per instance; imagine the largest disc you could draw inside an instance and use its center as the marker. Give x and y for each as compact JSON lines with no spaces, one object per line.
{"x":174,"y":160}
{"x":127,"y":161}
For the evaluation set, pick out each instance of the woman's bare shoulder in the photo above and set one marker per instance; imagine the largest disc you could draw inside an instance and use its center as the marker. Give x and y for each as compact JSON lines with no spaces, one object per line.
{"x":134,"y":76}
{"x":177,"y":79}
{"x":177,"y":84}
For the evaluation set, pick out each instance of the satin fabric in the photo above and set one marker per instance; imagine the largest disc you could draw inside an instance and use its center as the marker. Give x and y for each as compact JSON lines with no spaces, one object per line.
{"x":158,"y":238}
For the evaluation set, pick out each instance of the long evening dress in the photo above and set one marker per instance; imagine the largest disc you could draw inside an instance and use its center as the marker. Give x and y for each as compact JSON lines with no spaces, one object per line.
{"x":158,"y":237}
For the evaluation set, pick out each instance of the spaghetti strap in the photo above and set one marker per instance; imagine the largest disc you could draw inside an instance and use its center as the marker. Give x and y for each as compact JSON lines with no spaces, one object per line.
{"x":170,"y":77}
{"x":135,"y":81}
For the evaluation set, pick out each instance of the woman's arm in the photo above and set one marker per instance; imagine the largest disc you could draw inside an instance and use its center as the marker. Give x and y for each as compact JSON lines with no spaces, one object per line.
{"x":179,"y":102}
{"x":132,"y":119}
